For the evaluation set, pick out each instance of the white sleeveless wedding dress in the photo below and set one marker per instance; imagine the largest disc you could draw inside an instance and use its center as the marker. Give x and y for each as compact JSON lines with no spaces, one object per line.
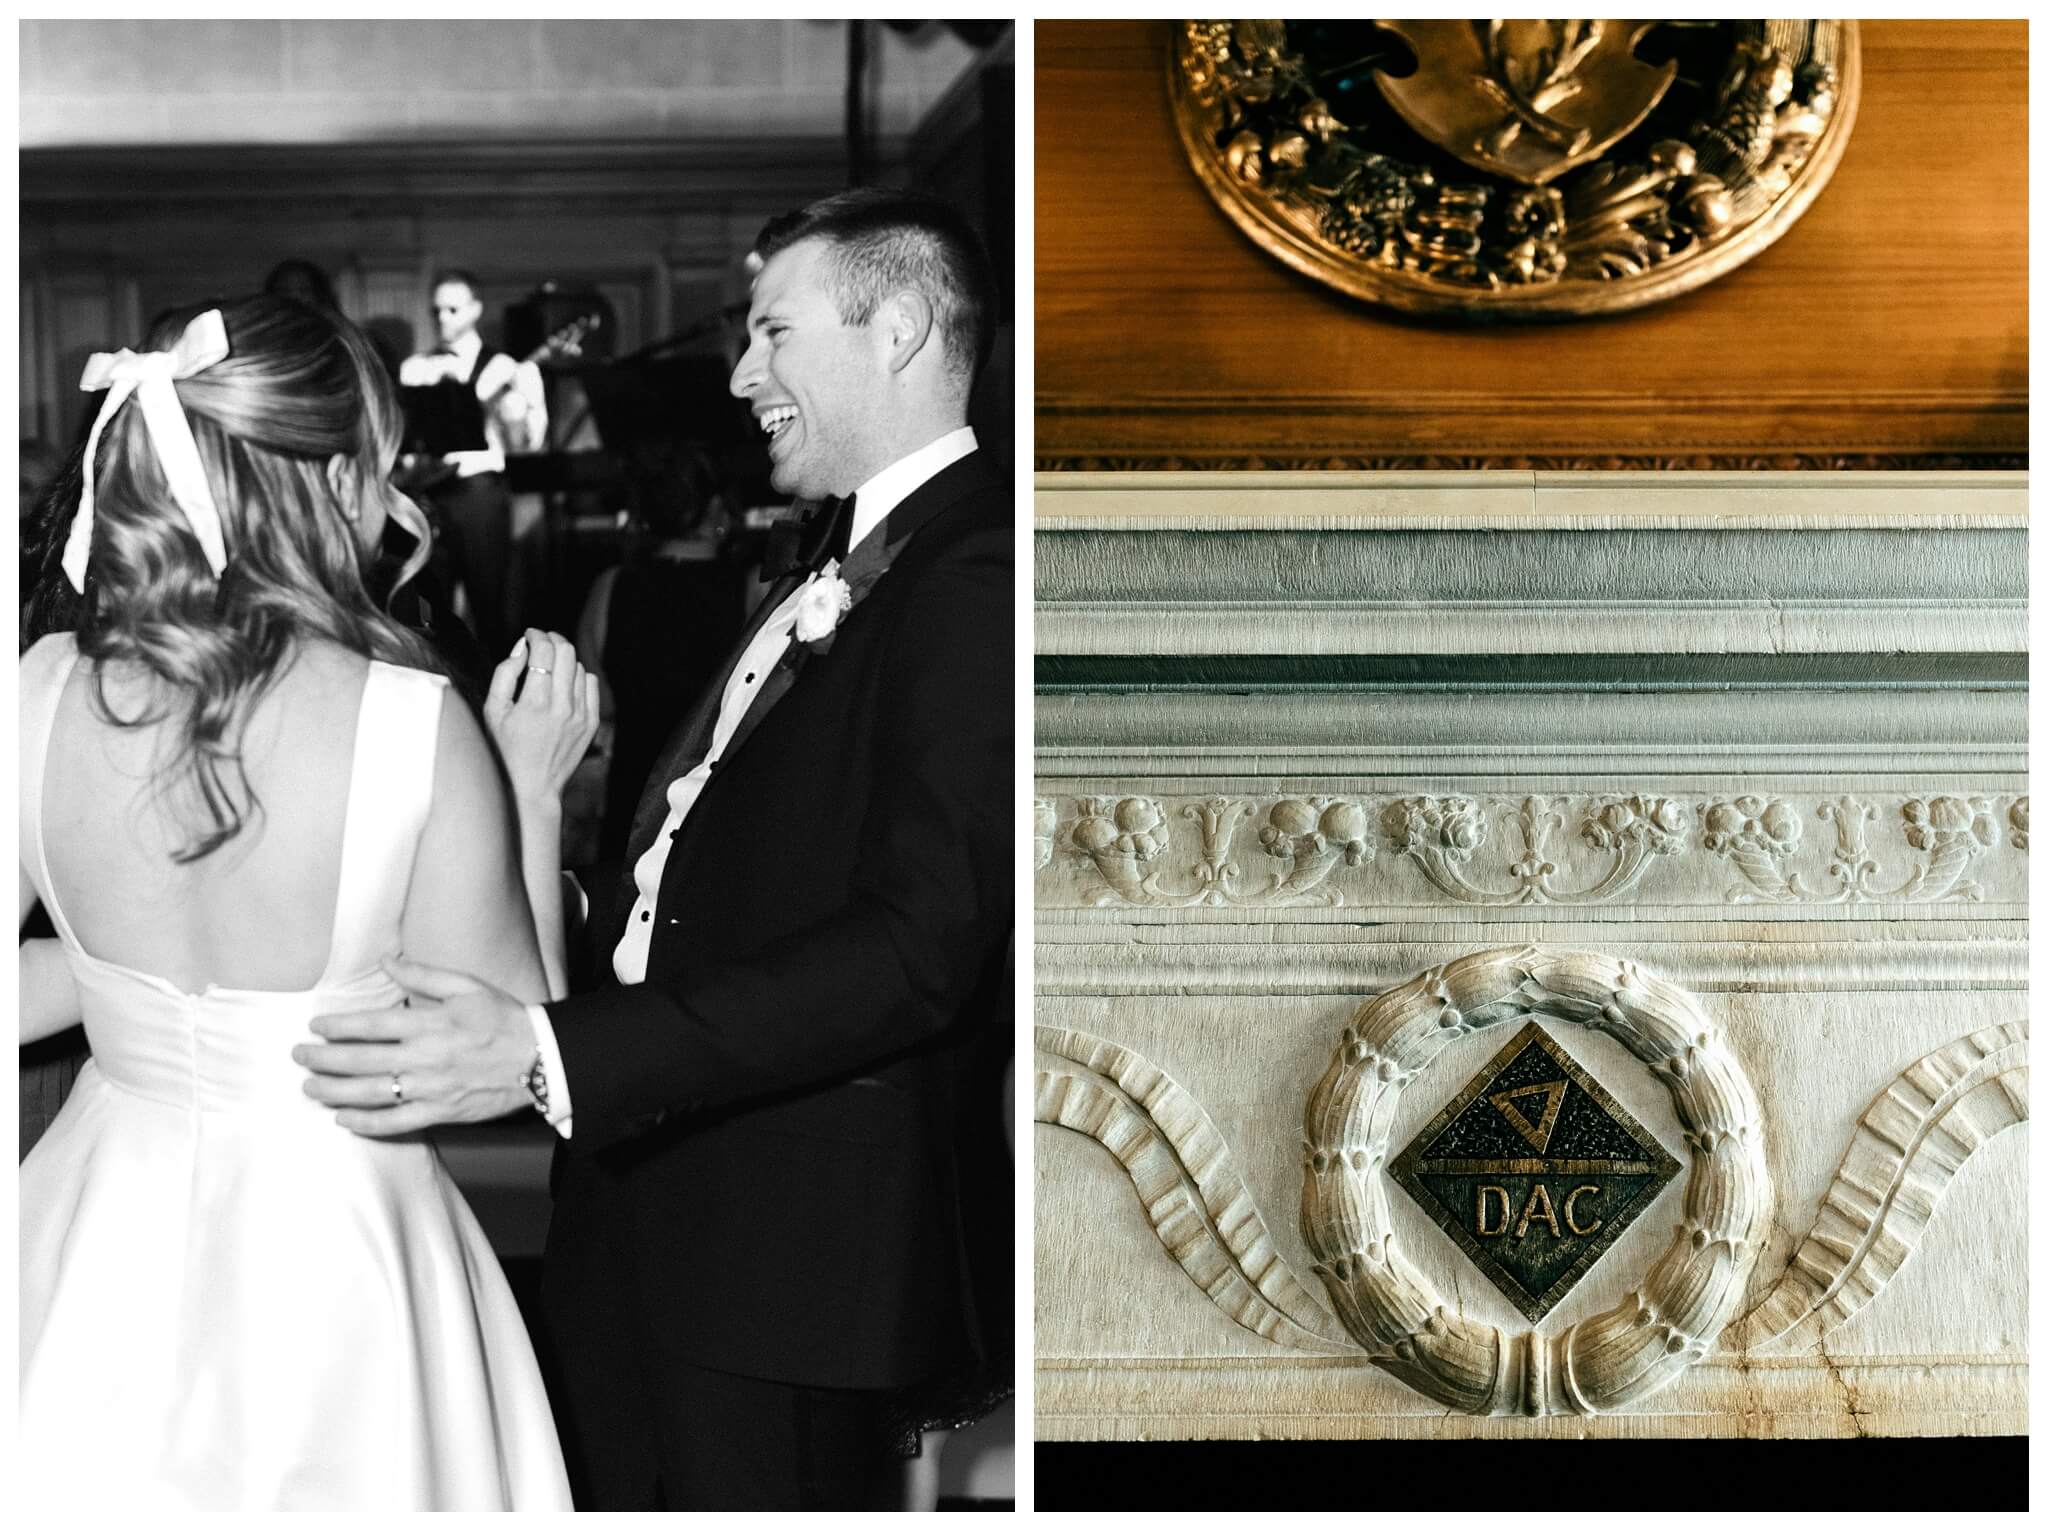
{"x":227,"y":1301}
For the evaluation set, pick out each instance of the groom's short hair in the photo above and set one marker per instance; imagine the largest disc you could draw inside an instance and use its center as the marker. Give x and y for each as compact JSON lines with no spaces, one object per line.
{"x":883,"y":240}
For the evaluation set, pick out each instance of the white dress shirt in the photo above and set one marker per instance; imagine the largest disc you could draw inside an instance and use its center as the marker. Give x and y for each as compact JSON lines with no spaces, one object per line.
{"x":872,"y":502}
{"x":524,"y":400}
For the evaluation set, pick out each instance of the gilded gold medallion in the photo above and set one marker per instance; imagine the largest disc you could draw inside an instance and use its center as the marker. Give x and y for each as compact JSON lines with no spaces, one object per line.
{"x":1520,"y":168}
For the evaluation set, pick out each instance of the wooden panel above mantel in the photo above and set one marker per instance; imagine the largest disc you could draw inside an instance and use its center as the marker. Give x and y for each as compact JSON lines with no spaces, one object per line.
{"x":1888,"y":328}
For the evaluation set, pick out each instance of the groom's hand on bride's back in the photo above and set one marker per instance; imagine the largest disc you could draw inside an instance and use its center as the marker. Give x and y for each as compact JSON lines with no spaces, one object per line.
{"x":458,"y":1051}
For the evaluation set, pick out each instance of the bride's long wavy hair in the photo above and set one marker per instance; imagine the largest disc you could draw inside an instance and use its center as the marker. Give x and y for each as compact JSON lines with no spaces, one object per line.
{"x":298,"y":428}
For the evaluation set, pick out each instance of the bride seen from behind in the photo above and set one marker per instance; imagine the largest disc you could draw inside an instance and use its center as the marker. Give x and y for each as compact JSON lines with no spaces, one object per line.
{"x":245,"y":789}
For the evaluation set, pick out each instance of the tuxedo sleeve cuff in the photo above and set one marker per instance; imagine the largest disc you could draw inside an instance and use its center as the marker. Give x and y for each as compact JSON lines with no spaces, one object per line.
{"x":468,"y":464}
{"x":551,"y":1065}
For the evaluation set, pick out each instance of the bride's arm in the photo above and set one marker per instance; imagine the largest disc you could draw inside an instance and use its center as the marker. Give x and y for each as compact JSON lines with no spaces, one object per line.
{"x":542,"y":733}
{"x":467,"y":907}
{"x":49,"y":996}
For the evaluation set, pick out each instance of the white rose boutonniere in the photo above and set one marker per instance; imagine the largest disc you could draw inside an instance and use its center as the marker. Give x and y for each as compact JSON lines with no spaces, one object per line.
{"x":823,"y":602}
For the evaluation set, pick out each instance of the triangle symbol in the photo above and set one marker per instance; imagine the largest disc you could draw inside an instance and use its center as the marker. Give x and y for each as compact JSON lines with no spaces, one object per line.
{"x":1536,"y":1131}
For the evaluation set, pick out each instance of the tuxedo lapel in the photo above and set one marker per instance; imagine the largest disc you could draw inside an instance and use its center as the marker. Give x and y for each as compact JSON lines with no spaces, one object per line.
{"x":867,"y":563}
{"x":692,"y":739}
{"x":795,"y":549}
{"x":864,"y":566}
{"x":779,"y":680}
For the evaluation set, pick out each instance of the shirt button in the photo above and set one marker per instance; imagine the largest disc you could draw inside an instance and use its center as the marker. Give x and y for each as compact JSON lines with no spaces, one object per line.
{"x":646,"y":915}
{"x":750,"y":677}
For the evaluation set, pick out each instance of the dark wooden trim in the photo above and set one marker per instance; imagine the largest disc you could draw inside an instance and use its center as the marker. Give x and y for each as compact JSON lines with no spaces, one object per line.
{"x":113,"y":184}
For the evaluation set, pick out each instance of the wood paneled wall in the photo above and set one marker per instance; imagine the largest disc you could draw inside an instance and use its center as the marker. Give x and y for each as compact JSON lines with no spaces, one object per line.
{"x":113,"y":236}
{"x":135,"y":81}
{"x":1888,"y":327}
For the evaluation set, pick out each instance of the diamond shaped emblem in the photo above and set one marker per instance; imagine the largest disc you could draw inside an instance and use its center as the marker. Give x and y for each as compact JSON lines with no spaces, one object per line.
{"x":1534,"y":1170}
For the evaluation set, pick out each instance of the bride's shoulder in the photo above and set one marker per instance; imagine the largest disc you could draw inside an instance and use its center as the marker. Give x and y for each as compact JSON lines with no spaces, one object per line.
{"x":316,"y":679}
{"x":43,"y":671}
{"x":49,"y":651}
{"x":321,"y":659}
{"x":332,"y":687}
{"x":321,"y":663}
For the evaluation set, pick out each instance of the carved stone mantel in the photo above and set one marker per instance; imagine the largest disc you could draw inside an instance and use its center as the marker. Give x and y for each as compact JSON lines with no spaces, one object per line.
{"x":1342,"y":778}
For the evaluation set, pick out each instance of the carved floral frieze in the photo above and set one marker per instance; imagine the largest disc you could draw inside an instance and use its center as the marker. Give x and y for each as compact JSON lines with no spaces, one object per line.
{"x":1283,"y":851}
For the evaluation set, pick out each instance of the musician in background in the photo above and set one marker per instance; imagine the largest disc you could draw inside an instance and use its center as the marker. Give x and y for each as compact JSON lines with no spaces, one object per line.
{"x":472,"y":504}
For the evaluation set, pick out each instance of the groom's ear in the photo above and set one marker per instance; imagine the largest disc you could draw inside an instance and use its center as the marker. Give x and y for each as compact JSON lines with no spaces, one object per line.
{"x":907,"y":327}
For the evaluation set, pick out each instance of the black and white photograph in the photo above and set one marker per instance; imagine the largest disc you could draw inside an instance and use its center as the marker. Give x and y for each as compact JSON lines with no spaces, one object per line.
{"x":517,"y":719}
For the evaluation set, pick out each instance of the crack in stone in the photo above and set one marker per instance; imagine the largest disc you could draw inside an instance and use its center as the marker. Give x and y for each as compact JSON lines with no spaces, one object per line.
{"x":1848,"y":1392}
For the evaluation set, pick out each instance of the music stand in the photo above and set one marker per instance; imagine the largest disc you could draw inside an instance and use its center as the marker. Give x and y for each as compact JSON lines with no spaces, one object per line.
{"x":442,"y":417}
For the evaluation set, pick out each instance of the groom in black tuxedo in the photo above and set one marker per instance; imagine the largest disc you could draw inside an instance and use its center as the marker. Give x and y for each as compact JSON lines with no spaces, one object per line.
{"x":758,"y":1242}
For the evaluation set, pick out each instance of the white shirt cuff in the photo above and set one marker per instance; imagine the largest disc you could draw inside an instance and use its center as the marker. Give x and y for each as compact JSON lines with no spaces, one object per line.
{"x":551,"y":1064}
{"x":470,"y":463}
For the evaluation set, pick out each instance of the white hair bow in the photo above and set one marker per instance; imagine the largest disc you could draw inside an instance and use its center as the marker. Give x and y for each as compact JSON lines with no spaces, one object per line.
{"x":149,"y":375}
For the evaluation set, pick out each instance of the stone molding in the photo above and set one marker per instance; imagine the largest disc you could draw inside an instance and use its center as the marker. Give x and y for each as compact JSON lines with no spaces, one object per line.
{"x":1499,"y":563}
{"x":1220,"y":953}
{"x":1131,"y":1398}
{"x":1530,"y":499}
{"x":1414,"y":747}
{"x":1871,"y":739}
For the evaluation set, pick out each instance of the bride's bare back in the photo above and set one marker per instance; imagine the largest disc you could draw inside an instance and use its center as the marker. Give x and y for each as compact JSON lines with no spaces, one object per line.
{"x":258,"y":913}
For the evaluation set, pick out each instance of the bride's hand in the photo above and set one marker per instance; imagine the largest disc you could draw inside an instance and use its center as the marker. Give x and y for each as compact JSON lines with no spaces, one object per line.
{"x":545,"y":731}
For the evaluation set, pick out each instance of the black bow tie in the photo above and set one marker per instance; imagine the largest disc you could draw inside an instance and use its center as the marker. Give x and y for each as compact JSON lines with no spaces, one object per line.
{"x":804,"y":546}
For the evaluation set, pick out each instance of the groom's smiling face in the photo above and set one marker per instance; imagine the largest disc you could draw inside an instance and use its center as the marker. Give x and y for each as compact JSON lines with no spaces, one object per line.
{"x":815,"y":383}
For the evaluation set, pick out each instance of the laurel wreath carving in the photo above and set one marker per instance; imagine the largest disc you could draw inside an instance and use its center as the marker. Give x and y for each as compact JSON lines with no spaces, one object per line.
{"x":1908,"y":1146}
{"x":1604,"y":1362}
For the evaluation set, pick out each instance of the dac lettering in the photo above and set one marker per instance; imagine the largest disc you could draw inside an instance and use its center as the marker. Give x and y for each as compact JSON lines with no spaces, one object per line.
{"x":1492,"y":1199}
